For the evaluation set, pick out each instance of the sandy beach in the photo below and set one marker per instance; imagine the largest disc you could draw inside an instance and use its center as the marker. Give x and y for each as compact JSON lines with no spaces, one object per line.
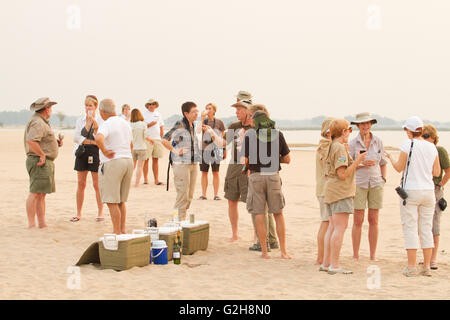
{"x":34,"y":263}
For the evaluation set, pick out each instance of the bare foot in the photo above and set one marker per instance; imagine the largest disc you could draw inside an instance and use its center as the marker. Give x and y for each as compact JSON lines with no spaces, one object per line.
{"x":233,"y":239}
{"x":32,"y":227}
{"x":318,"y":263}
{"x":356,"y":259}
{"x":43,"y":226}
{"x":265,"y":256}
{"x":285,"y":256}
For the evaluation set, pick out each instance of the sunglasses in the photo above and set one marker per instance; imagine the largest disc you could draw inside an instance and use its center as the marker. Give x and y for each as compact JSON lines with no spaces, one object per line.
{"x":426,"y":136}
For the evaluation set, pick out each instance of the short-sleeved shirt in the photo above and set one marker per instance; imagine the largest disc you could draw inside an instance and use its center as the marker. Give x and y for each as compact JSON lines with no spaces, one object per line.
{"x":217,"y":125}
{"x":38,"y":130}
{"x":368,"y":176}
{"x":420,"y":170}
{"x":154,"y":132}
{"x":336,"y":188}
{"x":183,"y":136}
{"x":265,"y":156}
{"x":445,"y":163}
{"x":118,"y":138}
{"x":321,"y":154}
{"x":139,"y":130}
{"x":235,"y":134}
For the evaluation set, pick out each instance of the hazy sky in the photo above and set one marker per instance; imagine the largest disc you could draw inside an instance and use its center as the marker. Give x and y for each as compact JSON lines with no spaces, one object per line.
{"x":299,"y":58}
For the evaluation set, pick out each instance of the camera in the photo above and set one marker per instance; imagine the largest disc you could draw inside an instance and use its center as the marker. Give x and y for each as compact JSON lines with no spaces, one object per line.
{"x":402,"y":193}
{"x":442,"y":203}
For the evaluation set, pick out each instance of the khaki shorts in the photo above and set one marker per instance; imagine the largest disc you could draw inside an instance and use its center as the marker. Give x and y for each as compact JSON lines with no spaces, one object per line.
{"x":155,"y":150}
{"x":115,"y":179}
{"x":372,"y":197}
{"x":140,"y":155}
{"x":42,"y":179}
{"x":341,"y":206}
{"x":323,"y":209}
{"x":236,"y":183}
{"x":265,"y":190}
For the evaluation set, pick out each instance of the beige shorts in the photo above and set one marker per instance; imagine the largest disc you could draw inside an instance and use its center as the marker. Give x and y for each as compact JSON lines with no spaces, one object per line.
{"x":323,"y":209}
{"x":115,"y":179}
{"x":264,"y":190}
{"x":155,"y":150}
{"x":140,"y":154}
{"x":341,"y":206}
{"x":371,"y":198}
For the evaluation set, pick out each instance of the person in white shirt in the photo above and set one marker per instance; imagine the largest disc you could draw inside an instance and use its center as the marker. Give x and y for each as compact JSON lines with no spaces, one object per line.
{"x":155,"y":125}
{"x":126,"y":112}
{"x":419,"y":162}
{"x":115,"y":141}
{"x":140,"y":137}
{"x":87,"y":154}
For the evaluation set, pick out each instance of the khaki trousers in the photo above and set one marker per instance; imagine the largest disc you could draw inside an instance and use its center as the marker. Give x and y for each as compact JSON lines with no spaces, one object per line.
{"x":269,"y":221}
{"x":184,"y":176}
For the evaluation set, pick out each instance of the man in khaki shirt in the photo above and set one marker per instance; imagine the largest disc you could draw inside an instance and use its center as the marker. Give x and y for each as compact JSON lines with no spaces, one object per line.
{"x":41,"y":147}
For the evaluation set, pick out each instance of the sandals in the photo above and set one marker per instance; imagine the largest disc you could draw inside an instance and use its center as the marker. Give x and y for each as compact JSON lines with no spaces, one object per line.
{"x":426,"y":272}
{"x":257,"y":247}
{"x":202,"y":198}
{"x":323,"y":268}
{"x":217,"y":198}
{"x":433,"y":265}
{"x":159,"y":184}
{"x":75,"y":219}
{"x":332,"y":270}
{"x":409,"y":272}
{"x":99,"y":219}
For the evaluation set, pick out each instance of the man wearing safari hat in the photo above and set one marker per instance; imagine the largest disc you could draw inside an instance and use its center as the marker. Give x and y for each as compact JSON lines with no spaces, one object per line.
{"x":155,"y":130}
{"x":370,"y":180}
{"x":41,"y":147}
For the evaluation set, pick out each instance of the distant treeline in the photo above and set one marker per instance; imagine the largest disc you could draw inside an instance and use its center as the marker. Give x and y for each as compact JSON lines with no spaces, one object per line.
{"x":19,"y":118}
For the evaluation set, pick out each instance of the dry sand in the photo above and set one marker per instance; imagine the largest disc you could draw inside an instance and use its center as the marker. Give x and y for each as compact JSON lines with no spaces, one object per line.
{"x":34,"y":263}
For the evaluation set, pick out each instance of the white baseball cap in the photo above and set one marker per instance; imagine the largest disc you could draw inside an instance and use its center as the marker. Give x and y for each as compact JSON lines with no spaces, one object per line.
{"x":413,"y":123}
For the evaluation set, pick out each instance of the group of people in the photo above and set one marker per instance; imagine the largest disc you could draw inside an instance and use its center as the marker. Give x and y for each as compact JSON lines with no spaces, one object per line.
{"x":112,"y":146}
{"x":351,"y":175}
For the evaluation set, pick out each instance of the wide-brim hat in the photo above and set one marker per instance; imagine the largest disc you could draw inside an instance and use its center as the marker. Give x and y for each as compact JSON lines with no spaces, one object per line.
{"x":152,"y":101}
{"x":243,"y":103}
{"x":42,"y":103}
{"x":244,"y":95}
{"x":364,"y":117}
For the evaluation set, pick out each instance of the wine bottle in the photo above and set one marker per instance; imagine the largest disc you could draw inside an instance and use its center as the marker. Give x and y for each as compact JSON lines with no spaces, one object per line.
{"x":177,"y":249}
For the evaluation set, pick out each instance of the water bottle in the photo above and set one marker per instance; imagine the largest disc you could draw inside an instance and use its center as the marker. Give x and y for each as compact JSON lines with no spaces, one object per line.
{"x":175,"y":216}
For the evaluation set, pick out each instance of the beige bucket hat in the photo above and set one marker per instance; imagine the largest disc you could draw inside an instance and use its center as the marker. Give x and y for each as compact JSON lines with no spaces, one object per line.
{"x":243,"y":103}
{"x":364,"y":117}
{"x":152,"y":101}
{"x":244,"y":95}
{"x":42,"y":103}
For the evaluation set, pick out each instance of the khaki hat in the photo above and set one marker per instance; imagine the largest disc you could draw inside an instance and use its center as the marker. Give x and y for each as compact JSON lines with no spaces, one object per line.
{"x":326,"y":126}
{"x":41,"y":103}
{"x":243,"y":103}
{"x":151,"y":101}
{"x":364,"y":117}
{"x":244,"y":95}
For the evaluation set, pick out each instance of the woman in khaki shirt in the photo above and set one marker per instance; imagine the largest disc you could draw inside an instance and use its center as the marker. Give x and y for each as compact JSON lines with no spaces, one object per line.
{"x":339,"y":192}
